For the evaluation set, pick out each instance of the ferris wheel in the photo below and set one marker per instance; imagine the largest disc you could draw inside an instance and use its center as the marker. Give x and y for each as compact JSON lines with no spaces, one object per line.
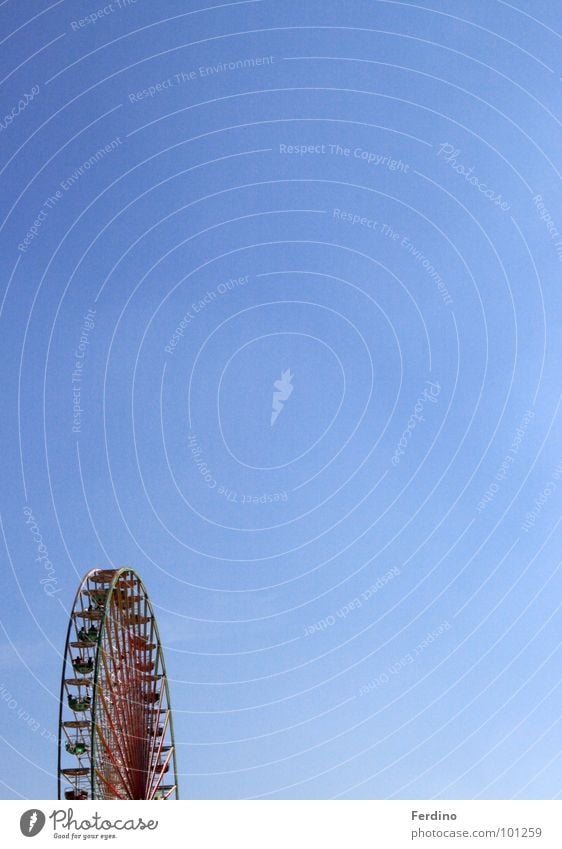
{"x":116,"y":737}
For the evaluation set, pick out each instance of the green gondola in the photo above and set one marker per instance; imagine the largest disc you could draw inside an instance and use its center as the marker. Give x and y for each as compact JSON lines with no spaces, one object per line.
{"x":83,"y":666}
{"x":79,"y":703}
{"x":78,"y":748}
{"x":89,"y":636}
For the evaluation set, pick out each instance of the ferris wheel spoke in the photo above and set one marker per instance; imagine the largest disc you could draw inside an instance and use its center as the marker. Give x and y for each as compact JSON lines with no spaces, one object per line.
{"x":114,"y":743}
{"x":108,"y":755}
{"x":113,"y":792}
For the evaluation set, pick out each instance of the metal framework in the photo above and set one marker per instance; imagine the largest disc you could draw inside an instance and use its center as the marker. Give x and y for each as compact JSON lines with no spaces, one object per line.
{"x":116,"y":738}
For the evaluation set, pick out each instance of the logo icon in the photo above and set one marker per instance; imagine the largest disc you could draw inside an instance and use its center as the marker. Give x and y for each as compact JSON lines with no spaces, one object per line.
{"x":32,"y":822}
{"x":283,"y":389}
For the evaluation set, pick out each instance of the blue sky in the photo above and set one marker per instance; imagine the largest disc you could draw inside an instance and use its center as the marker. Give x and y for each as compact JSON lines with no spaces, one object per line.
{"x":362,"y":599}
